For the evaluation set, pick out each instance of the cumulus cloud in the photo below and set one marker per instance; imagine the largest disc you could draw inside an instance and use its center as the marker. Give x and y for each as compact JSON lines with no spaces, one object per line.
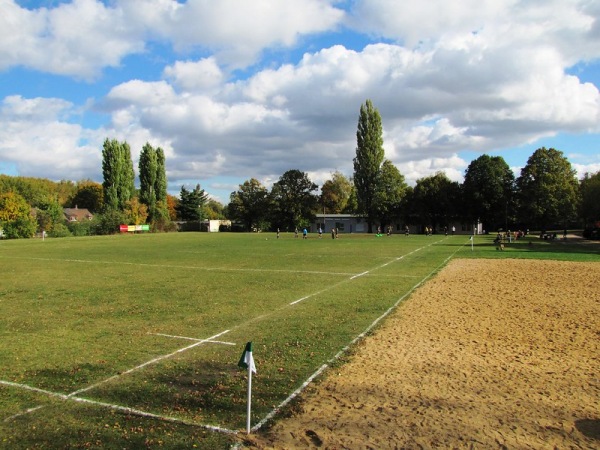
{"x":81,"y":38}
{"x":76,"y":39}
{"x":447,"y":78}
{"x":36,"y":136}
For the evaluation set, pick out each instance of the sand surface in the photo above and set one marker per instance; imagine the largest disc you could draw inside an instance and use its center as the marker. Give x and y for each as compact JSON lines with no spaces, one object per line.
{"x":488,"y":354}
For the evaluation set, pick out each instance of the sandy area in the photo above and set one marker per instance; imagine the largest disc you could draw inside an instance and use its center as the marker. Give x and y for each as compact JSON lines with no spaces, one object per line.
{"x":488,"y":354}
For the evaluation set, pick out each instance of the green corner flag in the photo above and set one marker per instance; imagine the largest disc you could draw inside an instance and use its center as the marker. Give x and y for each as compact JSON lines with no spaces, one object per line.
{"x":247,"y":361}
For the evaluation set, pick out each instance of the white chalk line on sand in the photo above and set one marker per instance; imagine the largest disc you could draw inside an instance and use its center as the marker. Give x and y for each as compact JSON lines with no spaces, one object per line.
{"x":320,"y":370}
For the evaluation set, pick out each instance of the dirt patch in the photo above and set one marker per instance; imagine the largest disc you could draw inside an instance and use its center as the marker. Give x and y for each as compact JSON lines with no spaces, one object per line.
{"x":488,"y":354}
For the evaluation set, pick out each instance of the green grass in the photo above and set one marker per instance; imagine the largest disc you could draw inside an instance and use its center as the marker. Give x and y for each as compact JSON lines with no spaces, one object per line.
{"x":77,"y":313}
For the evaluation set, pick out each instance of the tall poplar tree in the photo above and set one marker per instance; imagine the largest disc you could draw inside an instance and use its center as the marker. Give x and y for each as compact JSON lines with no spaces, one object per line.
{"x":153,"y":183}
{"x":148,"y":170}
{"x":368,"y":160}
{"x":119,"y":177}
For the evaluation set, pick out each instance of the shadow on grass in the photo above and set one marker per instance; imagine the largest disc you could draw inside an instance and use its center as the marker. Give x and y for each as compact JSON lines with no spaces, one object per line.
{"x":78,"y":426}
{"x":535,"y":248}
{"x":68,"y":379}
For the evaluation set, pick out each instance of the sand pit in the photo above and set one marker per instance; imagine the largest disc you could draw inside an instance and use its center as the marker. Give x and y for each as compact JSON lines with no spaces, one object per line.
{"x":488,"y":354}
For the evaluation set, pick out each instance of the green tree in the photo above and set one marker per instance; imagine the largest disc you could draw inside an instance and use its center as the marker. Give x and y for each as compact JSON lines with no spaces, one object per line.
{"x":50,"y":216}
{"x":16,"y":220}
{"x":389,"y":193}
{"x":435,"y":200}
{"x":368,"y":160}
{"x":191,"y":203}
{"x":89,"y":195}
{"x":213,"y":210}
{"x":119,"y":177}
{"x":148,"y":166}
{"x":136,"y":212}
{"x":153,"y":183}
{"x":488,"y":191}
{"x":335,"y":193}
{"x":547,"y":189}
{"x":250,"y":204}
{"x":37,"y":191}
{"x":294,"y":203}
{"x":589,"y":209}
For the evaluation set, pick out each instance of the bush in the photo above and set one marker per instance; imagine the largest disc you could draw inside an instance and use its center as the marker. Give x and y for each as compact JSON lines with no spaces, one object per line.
{"x":81,"y":228}
{"x":108,"y":222}
{"x":59,"y":230}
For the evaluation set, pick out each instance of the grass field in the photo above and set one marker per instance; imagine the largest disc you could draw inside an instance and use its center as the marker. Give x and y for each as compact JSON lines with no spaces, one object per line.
{"x":132,"y":341}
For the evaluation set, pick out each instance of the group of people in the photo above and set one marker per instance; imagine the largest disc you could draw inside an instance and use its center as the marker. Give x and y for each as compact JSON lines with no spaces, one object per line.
{"x":334,"y":233}
{"x":430,"y":230}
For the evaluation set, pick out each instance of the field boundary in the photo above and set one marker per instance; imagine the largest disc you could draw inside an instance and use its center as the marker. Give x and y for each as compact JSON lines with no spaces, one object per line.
{"x":339,"y":354}
{"x":348,"y":277}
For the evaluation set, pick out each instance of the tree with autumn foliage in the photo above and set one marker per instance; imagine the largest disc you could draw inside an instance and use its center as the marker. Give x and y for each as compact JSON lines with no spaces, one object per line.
{"x":16,"y":220}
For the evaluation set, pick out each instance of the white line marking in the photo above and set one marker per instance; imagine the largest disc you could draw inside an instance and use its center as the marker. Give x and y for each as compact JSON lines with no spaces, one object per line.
{"x":320,"y":370}
{"x":147,"y":363}
{"x":174,"y":266}
{"x":22,"y":413}
{"x":367,"y":272}
{"x":192,"y":339}
{"x":125,"y":409}
{"x":359,"y":275}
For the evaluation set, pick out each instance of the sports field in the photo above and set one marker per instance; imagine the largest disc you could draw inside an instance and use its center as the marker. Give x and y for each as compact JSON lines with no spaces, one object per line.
{"x":125,"y":341}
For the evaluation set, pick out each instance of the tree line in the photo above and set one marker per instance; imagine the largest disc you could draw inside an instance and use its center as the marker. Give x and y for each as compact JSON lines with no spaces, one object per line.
{"x":546,"y":194}
{"x":30,"y":205}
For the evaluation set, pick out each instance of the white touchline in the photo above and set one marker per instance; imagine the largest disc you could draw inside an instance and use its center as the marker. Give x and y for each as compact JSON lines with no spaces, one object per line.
{"x":272,"y":414}
{"x":125,"y":409}
{"x":174,"y":266}
{"x":359,"y":275}
{"x":152,"y":361}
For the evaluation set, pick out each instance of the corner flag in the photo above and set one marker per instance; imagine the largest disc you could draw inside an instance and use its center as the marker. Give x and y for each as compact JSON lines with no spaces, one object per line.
{"x":247,"y":361}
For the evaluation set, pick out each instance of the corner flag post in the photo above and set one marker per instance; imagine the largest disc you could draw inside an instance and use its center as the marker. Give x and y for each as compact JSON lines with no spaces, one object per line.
{"x":247,"y":361}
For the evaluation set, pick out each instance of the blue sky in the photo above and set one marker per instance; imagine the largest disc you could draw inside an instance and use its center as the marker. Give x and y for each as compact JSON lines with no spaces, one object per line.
{"x":233,"y":90}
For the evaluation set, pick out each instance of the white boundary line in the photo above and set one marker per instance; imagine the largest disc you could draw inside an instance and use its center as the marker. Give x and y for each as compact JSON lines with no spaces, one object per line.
{"x":174,"y":266}
{"x":73,"y":395}
{"x":320,"y":370}
{"x":366,"y":272}
{"x":147,"y":363}
{"x":125,"y":409}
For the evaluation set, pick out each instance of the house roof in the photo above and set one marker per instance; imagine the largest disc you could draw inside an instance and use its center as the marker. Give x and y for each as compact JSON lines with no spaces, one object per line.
{"x":77,"y":214}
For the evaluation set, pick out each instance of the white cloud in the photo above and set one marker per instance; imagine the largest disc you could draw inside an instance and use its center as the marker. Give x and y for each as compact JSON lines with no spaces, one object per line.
{"x":78,"y":38}
{"x":238,"y":30}
{"x":83,"y":37}
{"x":195,"y":76}
{"x":474,"y":75}
{"x":36,"y":137}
